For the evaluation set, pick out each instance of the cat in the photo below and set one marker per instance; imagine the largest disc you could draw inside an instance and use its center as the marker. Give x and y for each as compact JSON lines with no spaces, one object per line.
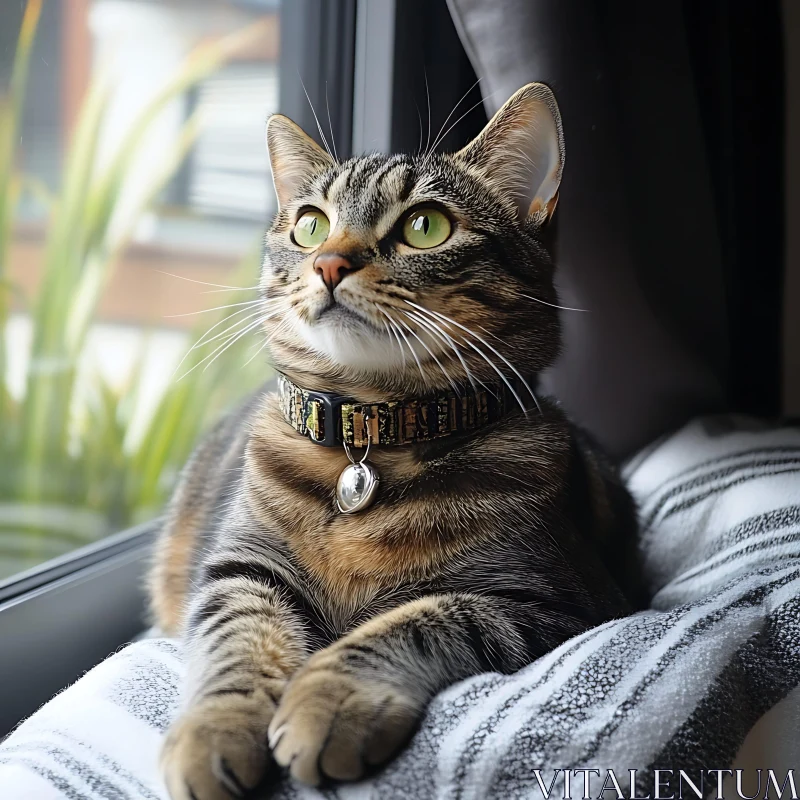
{"x":410,"y":305}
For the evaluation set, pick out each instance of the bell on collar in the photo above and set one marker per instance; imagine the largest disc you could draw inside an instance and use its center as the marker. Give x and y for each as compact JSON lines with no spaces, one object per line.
{"x":357,"y":487}
{"x":358,"y":482}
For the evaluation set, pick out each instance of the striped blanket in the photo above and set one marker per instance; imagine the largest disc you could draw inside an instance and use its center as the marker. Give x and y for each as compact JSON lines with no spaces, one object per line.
{"x":697,"y":694}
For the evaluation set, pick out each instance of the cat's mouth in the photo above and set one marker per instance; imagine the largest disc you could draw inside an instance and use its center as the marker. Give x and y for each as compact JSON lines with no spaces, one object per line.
{"x":336,"y":311}
{"x":344,"y":319}
{"x":350,"y":333}
{"x":344,"y":314}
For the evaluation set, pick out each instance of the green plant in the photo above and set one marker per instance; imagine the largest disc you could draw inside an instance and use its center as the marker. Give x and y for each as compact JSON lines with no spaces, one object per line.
{"x":70,"y":475}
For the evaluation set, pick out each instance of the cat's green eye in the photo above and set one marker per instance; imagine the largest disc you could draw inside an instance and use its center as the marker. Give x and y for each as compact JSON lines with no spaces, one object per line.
{"x":426,"y":227}
{"x":312,"y":229}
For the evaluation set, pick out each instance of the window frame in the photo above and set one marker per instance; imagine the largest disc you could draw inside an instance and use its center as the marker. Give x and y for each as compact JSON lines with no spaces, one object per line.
{"x":49,"y":630}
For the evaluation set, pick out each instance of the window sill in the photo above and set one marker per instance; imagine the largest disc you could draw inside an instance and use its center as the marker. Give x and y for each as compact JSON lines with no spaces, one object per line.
{"x":60,"y":619}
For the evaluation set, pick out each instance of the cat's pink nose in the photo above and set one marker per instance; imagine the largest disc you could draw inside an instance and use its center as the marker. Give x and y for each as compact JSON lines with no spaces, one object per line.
{"x":332,"y":267}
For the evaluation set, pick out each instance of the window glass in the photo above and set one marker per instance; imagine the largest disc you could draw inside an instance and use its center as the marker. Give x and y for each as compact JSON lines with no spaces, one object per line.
{"x":134,"y":190}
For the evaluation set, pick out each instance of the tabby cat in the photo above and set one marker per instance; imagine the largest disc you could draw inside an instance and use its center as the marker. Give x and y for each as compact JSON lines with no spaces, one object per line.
{"x":410,"y":307}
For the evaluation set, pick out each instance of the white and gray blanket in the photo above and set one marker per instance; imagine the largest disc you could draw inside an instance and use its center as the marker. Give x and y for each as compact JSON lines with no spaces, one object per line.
{"x":707,"y":680}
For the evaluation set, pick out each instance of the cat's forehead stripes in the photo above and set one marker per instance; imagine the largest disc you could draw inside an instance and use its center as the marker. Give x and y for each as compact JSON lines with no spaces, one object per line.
{"x":372,"y":176}
{"x":369,"y":192}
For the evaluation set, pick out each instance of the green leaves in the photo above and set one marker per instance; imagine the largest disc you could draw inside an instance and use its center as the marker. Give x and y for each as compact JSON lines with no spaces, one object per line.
{"x":11,"y":107}
{"x":70,"y":472}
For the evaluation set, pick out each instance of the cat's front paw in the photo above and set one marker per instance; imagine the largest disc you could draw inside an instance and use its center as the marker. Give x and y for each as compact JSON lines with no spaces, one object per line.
{"x":217,"y":750}
{"x":333,"y":724}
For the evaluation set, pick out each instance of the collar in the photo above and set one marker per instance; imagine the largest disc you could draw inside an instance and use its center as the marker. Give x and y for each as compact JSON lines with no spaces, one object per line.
{"x":332,"y":420}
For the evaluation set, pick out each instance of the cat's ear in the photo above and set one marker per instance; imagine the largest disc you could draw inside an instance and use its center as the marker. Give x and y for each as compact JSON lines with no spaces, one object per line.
{"x":520,"y":152}
{"x":294,"y":156}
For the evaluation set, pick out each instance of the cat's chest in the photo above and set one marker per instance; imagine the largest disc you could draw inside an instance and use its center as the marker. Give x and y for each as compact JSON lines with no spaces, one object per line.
{"x":362,"y":555}
{"x":343,"y":608}
{"x":405,"y":537}
{"x":431,"y":507}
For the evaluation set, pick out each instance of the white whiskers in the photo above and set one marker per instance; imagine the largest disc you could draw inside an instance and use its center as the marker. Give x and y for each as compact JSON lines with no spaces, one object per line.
{"x":284,"y":323}
{"x":405,"y":339}
{"x":316,"y":119}
{"x":433,"y":356}
{"x":437,"y":331}
{"x":393,"y":330}
{"x":251,"y":315}
{"x":203,"y":340}
{"x":553,"y":305}
{"x":229,"y":342}
{"x":443,"y":136}
{"x":205,"y":283}
{"x":330,"y":124}
{"x":428,"y":96}
{"x":231,"y":289}
{"x":453,"y":111}
{"x":216,"y":308}
{"x":448,"y":321}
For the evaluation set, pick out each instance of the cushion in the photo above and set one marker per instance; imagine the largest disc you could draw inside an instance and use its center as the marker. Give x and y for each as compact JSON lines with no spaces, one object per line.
{"x":708,"y":678}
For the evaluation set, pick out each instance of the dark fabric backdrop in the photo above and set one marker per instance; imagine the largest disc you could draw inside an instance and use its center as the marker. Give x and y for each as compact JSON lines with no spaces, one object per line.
{"x":670,"y":223}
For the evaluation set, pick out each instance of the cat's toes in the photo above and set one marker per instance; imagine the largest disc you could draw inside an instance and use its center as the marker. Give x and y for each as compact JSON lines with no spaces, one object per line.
{"x":334,"y":725}
{"x":217,"y":751}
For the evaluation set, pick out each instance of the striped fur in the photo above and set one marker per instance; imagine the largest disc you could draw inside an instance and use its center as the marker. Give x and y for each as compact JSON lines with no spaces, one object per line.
{"x":316,"y":639}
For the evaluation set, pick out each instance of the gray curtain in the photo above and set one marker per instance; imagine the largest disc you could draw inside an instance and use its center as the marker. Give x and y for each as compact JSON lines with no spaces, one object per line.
{"x":637,"y":236}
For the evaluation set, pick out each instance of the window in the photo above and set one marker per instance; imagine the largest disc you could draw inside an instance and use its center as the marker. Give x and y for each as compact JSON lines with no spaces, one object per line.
{"x":136,"y":188}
